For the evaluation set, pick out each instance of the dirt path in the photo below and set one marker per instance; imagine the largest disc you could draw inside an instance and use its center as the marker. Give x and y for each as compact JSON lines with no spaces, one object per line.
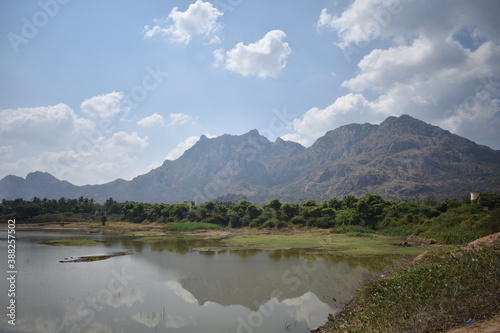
{"x":483,"y":326}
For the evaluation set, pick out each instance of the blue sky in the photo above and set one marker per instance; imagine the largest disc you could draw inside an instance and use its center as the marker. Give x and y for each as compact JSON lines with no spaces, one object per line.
{"x":98,"y":90}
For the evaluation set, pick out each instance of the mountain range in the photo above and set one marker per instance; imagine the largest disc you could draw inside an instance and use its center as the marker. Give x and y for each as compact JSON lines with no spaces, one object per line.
{"x":402,"y":158}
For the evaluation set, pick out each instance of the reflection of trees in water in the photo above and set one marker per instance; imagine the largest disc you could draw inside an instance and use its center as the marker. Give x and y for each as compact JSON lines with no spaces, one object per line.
{"x":169,"y":244}
{"x":183,"y":246}
{"x":251,"y":277}
{"x":245,"y":253}
{"x":371,"y":263}
{"x":229,"y":281}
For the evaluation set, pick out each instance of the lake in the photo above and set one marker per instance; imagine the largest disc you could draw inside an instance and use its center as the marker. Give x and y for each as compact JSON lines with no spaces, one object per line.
{"x":172,"y":286}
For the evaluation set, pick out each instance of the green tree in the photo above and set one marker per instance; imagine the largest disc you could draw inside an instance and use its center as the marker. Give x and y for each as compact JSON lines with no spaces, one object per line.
{"x":210,"y":206}
{"x":309,"y":203}
{"x":275,"y":204}
{"x":347,"y":217}
{"x":349,"y":201}
{"x":289,"y":210}
{"x":28,"y":210}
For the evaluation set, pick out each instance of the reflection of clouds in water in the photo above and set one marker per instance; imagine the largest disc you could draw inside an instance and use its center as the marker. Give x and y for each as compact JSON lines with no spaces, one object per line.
{"x":32,"y":324}
{"x":127,"y":298}
{"x":179,"y":290}
{"x":146,"y":319}
{"x":307,"y":307}
{"x":81,"y":318}
{"x":169,"y":321}
{"x":97,"y":327}
{"x":73,"y":320}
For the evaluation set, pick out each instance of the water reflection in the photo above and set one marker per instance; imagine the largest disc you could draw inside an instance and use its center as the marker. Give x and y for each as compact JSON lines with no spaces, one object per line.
{"x":168,"y":286}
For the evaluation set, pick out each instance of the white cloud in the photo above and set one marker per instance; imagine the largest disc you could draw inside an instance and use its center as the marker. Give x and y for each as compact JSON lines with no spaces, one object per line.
{"x":179,"y":119}
{"x":126,"y":141}
{"x":201,"y":18}
{"x":398,"y":20}
{"x":103,"y":106}
{"x":182,"y":147}
{"x":346,"y":109}
{"x":427,"y":70}
{"x":41,"y":125}
{"x":153,"y":120}
{"x":264,"y":58}
{"x":295,"y":138}
{"x":6,"y":152}
{"x":176,"y":152}
{"x":362,"y":21}
{"x":100,"y":160}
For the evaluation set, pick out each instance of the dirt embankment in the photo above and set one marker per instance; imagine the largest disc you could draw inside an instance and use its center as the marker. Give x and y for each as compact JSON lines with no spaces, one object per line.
{"x":483,"y":326}
{"x":484,"y":241}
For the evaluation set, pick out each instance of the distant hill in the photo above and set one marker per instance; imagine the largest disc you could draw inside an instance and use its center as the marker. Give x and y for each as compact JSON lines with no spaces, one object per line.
{"x":402,"y":158}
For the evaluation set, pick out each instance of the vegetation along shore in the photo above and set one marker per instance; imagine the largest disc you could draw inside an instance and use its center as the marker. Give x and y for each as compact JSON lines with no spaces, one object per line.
{"x":448,"y":285}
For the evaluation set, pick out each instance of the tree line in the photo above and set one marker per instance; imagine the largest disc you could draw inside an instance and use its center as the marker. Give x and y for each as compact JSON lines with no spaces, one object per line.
{"x":370,"y":212}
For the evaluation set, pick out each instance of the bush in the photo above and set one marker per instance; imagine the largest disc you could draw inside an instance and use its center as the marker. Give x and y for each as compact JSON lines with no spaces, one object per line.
{"x":298,"y":220}
{"x":397,"y":230}
{"x":324,"y":222}
{"x":273,"y":223}
{"x":346,"y":229}
{"x":459,"y":228}
{"x":430,"y":297}
{"x":191,"y":226}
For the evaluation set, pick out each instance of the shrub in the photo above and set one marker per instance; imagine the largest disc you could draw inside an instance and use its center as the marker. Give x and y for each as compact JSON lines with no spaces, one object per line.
{"x":397,"y":230}
{"x":298,"y":220}
{"x":191,"y":226}
{"x":430,"y":297}
{"x":273,"y":223}
{"x":346,"y":229}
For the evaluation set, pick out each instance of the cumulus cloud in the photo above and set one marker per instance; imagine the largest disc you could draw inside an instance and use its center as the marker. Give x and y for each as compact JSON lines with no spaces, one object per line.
{"x":427,"y":68}
{"x":346,"y":109}
{"x":179,"y":119}
{"x":398,"y":20}
{"x":295,"y":138}
{"x":265,"y":58}
{"x":153,"y":120}
{"x":201,"y":18}
{"x":176,"y":152}
{"x":100,"y":160}
{"x":174,"y":119}
{"x":125,"y":141}
{"x":6,"y":152}
{"x":103,"y":106}
{"x":182,"y":147}
{"x":41,"y":125}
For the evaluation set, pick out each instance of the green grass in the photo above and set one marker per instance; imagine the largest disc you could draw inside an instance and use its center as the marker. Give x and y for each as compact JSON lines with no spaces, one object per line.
{"x":191,"y":226}
{"x":151,"y":239}
{"x":428,"y":297}
{"x":340,"y":243}
{"x":72,"y":242}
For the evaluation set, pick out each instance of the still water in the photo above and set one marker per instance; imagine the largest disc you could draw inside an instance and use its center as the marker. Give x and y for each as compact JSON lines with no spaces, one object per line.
{"x":171,"y":286}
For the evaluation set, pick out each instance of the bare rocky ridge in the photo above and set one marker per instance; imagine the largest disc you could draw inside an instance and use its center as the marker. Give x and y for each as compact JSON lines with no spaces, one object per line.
{"x":402,"y":158}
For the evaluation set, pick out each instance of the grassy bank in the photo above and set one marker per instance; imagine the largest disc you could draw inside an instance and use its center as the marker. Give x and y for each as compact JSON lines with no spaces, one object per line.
{"x":191,"y":226}
{"x":72,"y":242}
{"x":342,"y":244}
{"x":436,"y":294}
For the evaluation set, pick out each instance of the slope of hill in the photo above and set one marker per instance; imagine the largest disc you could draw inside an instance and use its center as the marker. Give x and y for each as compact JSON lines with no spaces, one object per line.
{"x":399,"y":159}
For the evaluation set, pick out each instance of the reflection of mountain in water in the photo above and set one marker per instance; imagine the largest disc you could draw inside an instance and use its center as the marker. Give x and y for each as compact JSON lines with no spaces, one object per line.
{"x":253,"y":282}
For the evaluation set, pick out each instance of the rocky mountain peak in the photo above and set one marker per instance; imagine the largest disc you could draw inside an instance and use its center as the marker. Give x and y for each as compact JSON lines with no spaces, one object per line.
{"x":401,"y":158}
